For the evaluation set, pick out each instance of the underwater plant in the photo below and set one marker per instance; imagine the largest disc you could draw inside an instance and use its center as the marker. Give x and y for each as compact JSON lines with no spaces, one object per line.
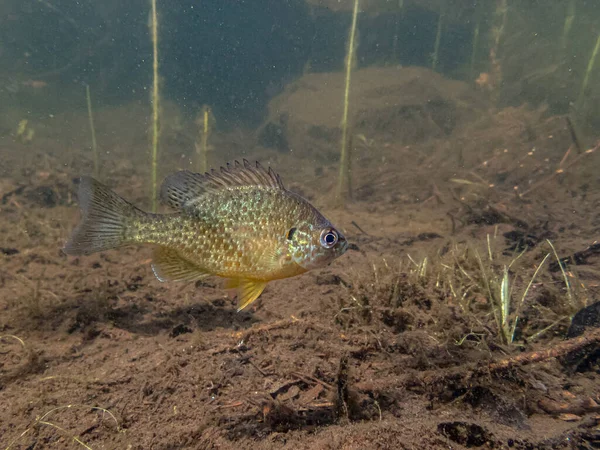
{"x":344,"y":184}
{"x":497,"y":33}
{"x":402,"y":12}
{"x":569,"y":19}
{"x":500,"y":294}
{"x":155,"y":105}
{"x":24,"y":132}
{"x":498,"y":282}
{"x":498,"y":297}
{"x":202,"y":148}
{"x":588,"y":72}
{"x":92,"y":128}
{"x":474,"y":49}
{"x":475,"y":40}
{"x":438,"y":38}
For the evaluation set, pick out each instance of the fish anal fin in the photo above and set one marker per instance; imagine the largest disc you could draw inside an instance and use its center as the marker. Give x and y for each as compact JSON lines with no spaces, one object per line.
{"x":248,"y":290}
{"x":169,"y":265}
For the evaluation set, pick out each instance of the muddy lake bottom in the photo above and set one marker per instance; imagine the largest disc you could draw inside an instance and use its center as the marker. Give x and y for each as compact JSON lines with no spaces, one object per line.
{"x":378,"y":350}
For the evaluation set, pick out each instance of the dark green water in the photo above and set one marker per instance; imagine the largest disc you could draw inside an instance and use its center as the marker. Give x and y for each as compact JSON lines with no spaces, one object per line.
{"x":236,"y":55}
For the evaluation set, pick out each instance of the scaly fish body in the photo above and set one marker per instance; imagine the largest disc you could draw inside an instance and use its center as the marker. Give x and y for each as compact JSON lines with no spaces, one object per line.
{"x":240,"y":224}
{"x":235,"y":234}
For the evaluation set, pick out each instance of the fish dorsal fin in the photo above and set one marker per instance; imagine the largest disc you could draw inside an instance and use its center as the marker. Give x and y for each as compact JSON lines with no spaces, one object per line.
{"x":180,"y":189}
{"x":168,"y":265}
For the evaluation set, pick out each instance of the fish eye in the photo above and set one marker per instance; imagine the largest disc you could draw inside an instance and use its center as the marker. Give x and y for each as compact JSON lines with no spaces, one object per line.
{"x":290,"y":234}
{"x":329,"y":238}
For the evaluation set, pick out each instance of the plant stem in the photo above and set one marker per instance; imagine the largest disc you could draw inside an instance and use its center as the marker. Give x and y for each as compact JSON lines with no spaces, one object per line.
{"x":569,"y":19}
{"x":518,"y":309}
{"x":588,"y":72}
{"x":205,"y":131}
{"x":343,"y":188}
{"x":438,"y":39}
{"x":154,"y":103}
{"x":92,"y":128}
{"x":474,"y":49}
{"x":564,"y":274}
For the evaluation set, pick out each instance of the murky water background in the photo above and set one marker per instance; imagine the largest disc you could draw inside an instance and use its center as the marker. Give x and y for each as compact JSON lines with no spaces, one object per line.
{"x":464,"y":175}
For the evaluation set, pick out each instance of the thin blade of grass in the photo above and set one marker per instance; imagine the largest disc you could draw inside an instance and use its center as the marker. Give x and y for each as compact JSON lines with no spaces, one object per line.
{"x":518,"y":310}
{"x":505,"y":302}
{"x":564,"y":274}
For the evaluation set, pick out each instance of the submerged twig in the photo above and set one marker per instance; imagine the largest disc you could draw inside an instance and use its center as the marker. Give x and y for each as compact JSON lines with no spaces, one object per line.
{"x":358,"y":227}
{"x":468,"y":372}
{"x":560,"y":171}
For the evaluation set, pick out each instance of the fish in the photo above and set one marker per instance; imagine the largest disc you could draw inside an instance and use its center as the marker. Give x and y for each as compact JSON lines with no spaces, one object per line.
{"x":239,"y":223}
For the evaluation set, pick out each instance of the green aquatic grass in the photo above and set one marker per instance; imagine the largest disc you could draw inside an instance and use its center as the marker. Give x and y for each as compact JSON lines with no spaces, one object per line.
{"x":489,"y":292}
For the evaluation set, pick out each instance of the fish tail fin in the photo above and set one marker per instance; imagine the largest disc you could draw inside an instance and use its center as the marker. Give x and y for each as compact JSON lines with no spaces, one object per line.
{"x":106,"y":218}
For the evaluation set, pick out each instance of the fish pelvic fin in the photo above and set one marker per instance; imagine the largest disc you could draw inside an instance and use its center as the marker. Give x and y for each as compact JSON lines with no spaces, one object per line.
{"x":248,"y":290}
{"x":169,"y":265}
{"x":104,"y":222}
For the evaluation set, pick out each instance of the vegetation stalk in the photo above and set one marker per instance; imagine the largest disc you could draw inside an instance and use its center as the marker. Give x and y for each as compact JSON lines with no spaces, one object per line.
{"x":397,"y":32}
{"x":92,"y":129}
{"x":344,"y":185}
{"x":204,"y":147}
{"x":497,"y":34}
{"x":438,"y":39}
{"x":155,"y":105}
{"x":588,"y":72}
{"x":474,"y":47}
{"x":500,"y":22}
{"x":569,"y":19}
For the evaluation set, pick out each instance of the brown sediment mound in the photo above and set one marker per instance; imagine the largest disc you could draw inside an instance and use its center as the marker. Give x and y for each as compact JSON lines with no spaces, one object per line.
{"x":407,"y":104}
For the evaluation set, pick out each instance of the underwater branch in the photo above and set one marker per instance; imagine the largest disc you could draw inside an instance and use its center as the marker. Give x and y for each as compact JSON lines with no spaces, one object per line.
{"x":467,"y":373}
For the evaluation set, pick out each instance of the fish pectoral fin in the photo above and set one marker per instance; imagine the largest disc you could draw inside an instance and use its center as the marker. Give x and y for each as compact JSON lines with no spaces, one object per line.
{"x":169,"y":265}
{"x":249,"y":290}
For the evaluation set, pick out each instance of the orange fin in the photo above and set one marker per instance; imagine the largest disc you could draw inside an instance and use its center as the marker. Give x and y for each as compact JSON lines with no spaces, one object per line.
{"x":232,"y":283}
{"x":168,"y":265}
{"x":249,"y":290}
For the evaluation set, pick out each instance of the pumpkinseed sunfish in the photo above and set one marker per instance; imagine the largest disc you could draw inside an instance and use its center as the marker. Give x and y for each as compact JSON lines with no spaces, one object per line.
{"x":241,"y":224}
